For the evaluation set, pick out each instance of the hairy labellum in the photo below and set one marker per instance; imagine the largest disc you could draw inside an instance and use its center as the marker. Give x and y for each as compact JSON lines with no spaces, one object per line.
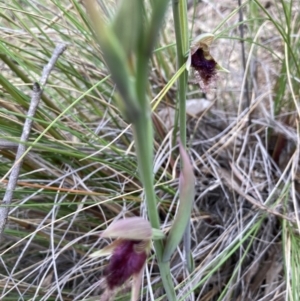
{"x":127,"y":259}
{"x":206,"y":68}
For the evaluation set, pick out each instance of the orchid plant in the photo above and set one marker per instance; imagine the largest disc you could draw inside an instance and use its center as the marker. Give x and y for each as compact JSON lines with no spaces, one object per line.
{"x":126,"y":46}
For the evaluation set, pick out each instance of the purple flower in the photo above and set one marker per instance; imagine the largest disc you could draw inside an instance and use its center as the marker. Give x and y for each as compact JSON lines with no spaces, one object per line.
{"x":127,"y":260}
{"x":206,"y":67}
{"x":204,"y":64}
{"x":129,"y":254}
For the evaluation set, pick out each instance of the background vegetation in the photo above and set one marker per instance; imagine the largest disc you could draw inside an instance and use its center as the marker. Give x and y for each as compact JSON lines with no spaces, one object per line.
{"x":81,"y":172}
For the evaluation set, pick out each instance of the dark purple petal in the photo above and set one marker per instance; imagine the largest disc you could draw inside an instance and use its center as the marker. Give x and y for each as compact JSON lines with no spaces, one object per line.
{"x":205,"y":67}
{"x":124,"y":263}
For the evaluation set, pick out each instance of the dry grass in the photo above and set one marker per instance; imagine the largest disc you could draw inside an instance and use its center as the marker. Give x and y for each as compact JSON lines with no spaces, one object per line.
{"x":83,"y":174}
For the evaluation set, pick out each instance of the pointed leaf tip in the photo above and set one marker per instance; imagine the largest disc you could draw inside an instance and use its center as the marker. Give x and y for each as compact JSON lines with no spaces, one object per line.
{"x":187,"y":173}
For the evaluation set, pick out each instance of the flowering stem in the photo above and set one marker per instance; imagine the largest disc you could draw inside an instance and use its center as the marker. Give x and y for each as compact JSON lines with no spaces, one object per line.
{"x":143,"y":137}
{"x":182,"y":44}
{"x":131,"y":80}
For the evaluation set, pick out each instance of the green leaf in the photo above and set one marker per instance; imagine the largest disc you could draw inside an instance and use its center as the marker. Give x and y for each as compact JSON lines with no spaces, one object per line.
{"x":115,"y":58}
{"x":127,"y":24}
{"x":186,"y":195}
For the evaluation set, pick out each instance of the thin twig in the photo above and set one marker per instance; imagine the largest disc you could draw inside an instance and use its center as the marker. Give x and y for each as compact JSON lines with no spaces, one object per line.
{"x":241,"y":28}
{"x":35,"y":99}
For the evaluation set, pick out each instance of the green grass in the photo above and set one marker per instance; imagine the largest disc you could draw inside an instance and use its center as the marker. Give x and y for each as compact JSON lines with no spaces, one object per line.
{"x":82,"y":170}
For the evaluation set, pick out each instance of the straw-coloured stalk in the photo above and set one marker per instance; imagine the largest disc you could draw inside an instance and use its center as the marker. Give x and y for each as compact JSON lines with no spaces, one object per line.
{"x":186,"y":195}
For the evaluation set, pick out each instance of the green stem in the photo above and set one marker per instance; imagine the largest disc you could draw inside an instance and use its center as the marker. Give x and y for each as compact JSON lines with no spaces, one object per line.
{"x":143,"y":137}
{"x":182,"y":44}
{"x":181,"y":31}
